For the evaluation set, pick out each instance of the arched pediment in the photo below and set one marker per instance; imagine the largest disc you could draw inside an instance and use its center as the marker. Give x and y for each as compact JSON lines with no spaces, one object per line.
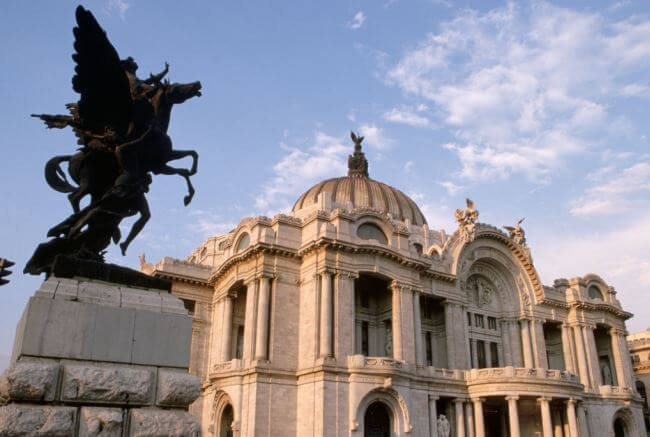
{"x":395,"y":403}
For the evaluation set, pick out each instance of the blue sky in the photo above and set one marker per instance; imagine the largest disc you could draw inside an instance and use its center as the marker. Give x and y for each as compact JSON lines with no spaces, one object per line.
{"x":532,"y":109}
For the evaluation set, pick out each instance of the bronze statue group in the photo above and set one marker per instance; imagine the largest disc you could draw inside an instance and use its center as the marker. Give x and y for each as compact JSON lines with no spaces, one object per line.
{"x":121,"y":124}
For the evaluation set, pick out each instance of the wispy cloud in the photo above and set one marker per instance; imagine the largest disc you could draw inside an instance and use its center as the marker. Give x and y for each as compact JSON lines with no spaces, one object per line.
{"x":357,"y":21}
{"x":408,"y":116}
{"x":375,"y":136}
{"x":615,"y":193}
{"x":301,"y":167}
{"x":119,"y":6}
{"x":208,"y":223}
{"x":452,"y":188}
{"x":523,"y":88}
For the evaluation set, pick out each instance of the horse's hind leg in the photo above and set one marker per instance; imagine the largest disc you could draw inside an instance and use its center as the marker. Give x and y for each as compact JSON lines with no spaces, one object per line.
{"x":180,"y":154}
{"x":76,"y":196}
{"x":183,"y":172}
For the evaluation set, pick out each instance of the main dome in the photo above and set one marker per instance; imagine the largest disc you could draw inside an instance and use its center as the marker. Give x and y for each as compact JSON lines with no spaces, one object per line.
{"x":359,"y":191}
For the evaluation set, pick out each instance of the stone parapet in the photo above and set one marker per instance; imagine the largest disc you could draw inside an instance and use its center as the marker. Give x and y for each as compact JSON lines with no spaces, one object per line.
{"x":92,"y":358}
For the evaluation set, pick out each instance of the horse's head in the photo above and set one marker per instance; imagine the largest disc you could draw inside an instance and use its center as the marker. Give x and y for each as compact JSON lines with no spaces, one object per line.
{"x":179,"y":92}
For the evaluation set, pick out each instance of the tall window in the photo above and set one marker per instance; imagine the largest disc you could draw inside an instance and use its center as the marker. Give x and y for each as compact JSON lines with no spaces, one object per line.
{"x":494,"y":355}
{"x":479,"y":321}
{"x":239,"y":347}
{"x":364,"y":338}
{"x":480,"y":353}
{"x":427,"y":340}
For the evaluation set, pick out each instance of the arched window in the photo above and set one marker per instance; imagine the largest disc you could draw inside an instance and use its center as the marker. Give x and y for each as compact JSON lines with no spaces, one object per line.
{"x":204,"y":252}
{"x":370,"y":231}
{"x":594,"y":293}
{"x":376,"y":421}
{"x":418,"y":248}
{"x":222,"y":245}
{"x":243,"y":242}
{"x":619,"y":428}
{"x":227,"y":417}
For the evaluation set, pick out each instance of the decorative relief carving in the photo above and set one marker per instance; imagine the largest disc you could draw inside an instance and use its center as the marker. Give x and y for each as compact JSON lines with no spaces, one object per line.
{"x":517,"y":233}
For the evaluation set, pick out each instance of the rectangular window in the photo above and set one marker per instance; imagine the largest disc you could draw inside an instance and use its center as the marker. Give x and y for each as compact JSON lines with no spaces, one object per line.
{"x":480,"y":352}
{"x":469,"y":319}
{"x":364,"y":338}
{"x":427,"y":340}
{"x":239,"y":348}
{"x":479,"y":321}
{"x":494,"y":355}
{"x":492,"y":323}
{"x":427,"y":307}
{"x":472,"y":357}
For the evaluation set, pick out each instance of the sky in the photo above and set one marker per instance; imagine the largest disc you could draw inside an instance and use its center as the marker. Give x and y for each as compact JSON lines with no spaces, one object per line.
{"x":532,"y":109}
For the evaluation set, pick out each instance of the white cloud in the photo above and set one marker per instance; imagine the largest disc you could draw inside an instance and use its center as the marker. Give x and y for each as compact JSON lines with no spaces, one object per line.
{"x":612,"y":194}
{"x":523,"y":88}
{"x":208,"y":223}
{"x":408,"y":116}
{"x":408,"y":166}
{"x":374,"y":136}
{"x":357,"y":21}
{"x":634,"y":90}
{"x":619,"y":256}
{"x":300,"y":168}
{"x":121,"y":6}
{"x":452,"y":188}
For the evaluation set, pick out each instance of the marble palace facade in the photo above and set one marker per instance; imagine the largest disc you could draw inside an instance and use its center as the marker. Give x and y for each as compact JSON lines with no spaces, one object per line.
{"x":351,"y":317}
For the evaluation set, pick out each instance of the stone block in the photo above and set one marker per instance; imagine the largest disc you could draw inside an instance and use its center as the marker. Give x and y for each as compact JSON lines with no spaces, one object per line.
{"x":99,"y":293}
{"x":107,"y":384}
{"x":103,"y":422}
{"x":48,"y":288}
{"x":176,"y":388}
{"x":172,"y":304}
{"x":161,"y":339}
{"x":31,"y":380}
{"x":113,"y":334}
{"x":141,"y":299}
{"x":23,"y":420}
{"x":67,"y":289}
{"x":150,"y":422}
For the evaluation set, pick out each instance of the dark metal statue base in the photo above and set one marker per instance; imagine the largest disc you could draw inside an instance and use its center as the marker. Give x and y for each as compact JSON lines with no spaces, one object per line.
{"x":70,"y":267}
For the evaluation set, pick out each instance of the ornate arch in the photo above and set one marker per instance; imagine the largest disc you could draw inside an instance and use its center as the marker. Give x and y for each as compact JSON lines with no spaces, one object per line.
{"x":398,"y":410}
{"x":219,"y":404}
{"x":626,"y":416}
{"x":510,"y":260}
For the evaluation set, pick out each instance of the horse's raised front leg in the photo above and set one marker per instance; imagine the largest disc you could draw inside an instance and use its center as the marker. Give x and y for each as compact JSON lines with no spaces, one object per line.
{"x":180,"y":154}
{"x":185,"y":173}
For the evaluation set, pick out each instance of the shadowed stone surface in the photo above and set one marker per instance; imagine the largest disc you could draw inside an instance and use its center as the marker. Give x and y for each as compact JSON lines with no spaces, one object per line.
{"x":150,"y":422}
{"x":107,"y":384}
{"x":19,"y":420}
{"x":32,"y":381}
{"x":101,"y":422}
{"x":177,"y":388}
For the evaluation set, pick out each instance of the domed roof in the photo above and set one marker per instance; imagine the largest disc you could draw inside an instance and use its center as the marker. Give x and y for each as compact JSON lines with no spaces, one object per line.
{"x":359,"y":191}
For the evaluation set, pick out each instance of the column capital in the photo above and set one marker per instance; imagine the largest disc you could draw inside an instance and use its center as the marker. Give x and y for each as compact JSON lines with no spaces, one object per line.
{"x":459,"y":401}
{"x":327,"y":271}
{"x":572,"y":401}
{"x":396,"y":285}
{"x":512,"y":398}
{"x":478,"y":400}
{"x":544,"y":399}
{"x":433,"y":397}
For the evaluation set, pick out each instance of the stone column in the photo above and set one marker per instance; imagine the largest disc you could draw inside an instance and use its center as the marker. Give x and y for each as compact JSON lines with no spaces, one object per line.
{"x":263,"y":303}
{"x":470,"y":419}
{"x":627,"y":363}
{"x":250,"y":320}
{"x":449,"y":335}
{"x":505,"y":341}
{"x":618,"y":358}
{"x":571,"y":418}
{"x":488,"y":353}
{"x":478,"y":417}
{"x":581,"y":355}
{"x":326,"y":315}
{"x":547,"y":424}
{"x":226,"y":339}
{"x":513,"y":415}
{"x":465,"y":342}
{"x":460,"y":418}
{"x":592,"y":355}
{"x":433,"y":414}
{"x":417,"y":323}
{"x":525,"y":343}
{"x":215,"y":333}
{"x":397,"y":321}
{"x":344,"y":315}
{"x":515,"y":344}
{"x":583,"y":425}
{"x":566,"y":349}
{"x":537,"y":335}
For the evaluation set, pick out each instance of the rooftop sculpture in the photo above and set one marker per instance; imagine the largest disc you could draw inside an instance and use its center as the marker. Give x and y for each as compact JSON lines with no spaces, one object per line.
{"x":121,"y":124}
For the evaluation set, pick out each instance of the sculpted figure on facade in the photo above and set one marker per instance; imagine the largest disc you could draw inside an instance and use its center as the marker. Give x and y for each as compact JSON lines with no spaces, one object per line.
{"x":480,"y":288}
{"x":443,"y":426}
{"x":466,"y":219}
{"x":517,"y":233}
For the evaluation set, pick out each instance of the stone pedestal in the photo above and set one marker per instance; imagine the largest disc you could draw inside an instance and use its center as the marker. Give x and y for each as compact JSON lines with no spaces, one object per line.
{"x":92,"y":358}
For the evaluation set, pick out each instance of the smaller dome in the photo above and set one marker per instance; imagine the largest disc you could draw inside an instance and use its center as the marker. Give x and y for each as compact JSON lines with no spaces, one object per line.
{"x":359,"y":191}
